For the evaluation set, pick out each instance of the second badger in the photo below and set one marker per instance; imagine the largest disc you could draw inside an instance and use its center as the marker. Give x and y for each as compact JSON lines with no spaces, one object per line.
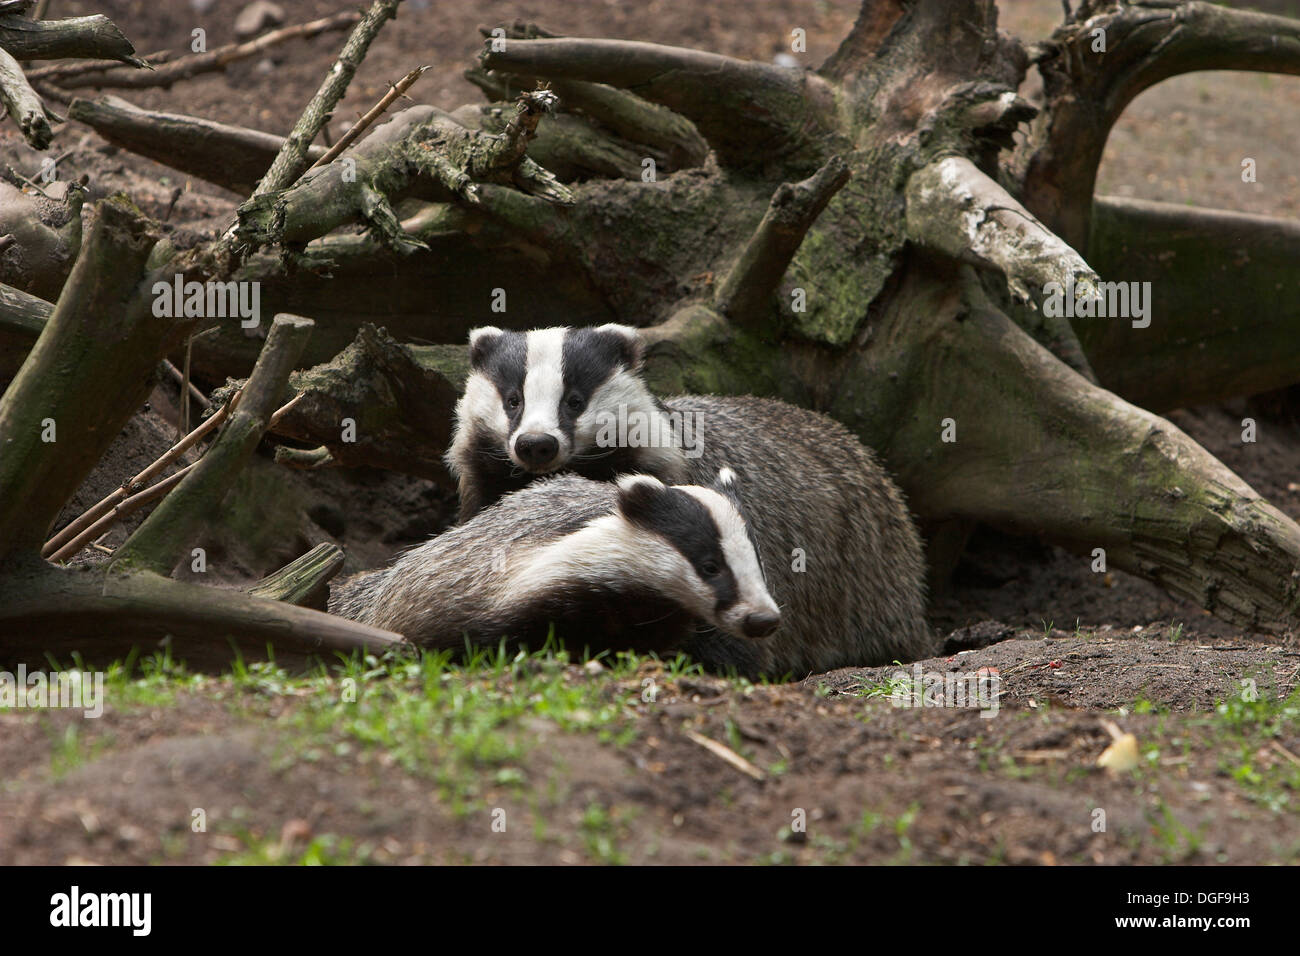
{"x":634,"y":565}
{"x":840,"y":552}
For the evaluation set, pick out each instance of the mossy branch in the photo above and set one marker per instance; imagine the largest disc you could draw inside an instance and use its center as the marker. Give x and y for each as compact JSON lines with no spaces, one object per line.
{"x":304,"y":581}
{"x":87,"y":374}
{"x":744,"y":295}
{"x":291,"y":161}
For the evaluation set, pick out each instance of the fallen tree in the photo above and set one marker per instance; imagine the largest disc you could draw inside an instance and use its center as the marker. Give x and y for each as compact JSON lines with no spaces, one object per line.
{"x":866,"y":238}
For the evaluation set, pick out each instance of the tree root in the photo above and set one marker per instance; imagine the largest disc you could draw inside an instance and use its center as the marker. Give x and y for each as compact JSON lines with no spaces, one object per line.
{"x":748,"y":112}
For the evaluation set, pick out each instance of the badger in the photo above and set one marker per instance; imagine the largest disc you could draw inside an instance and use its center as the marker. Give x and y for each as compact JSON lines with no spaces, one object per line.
{"x":833,"y":533}
{"x":633,"y":564}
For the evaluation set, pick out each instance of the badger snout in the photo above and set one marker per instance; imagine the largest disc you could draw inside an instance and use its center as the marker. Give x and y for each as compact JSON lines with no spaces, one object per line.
{"x":537,"y":451}
{"x":760,"y":623}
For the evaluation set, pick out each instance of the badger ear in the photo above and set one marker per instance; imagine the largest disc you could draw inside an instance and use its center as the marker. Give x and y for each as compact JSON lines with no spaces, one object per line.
{"x":482,"y":342}
{"x":631,"y":348}
{"x":638,"y":496}
{"x":728,"y":486}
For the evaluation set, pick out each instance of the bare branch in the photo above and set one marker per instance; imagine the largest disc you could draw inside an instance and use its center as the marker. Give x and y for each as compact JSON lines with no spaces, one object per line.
{"x":360,"y":126}
{"x":231,"y":156}
{"x":102,"y":615}
{"x":135,"y":484}
{"x":116,"y":511}
{"x":21,"y":314}
{"x":80,"y":37}
{"x":1087,"y":89}
{"x":793,"y":210}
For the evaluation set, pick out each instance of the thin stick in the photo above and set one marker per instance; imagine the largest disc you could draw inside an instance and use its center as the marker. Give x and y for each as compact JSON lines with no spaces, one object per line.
{"x":139,"y":481}
{"x":726,"y":754}
{"x":104,"y":514}
{"x":185,"y":67}
{"x":1286,"y":753}
{"x":120,"y":510}
{"x":58,"y":71}
{"x":185,"y":388}
{"x":284,"y":410}
{"x":360,"y":126}
{"x":179,"y":379}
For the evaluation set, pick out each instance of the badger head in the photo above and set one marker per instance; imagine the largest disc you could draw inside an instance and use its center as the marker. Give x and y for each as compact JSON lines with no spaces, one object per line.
{"x":540,"y":401}
{"x":696,"y":546}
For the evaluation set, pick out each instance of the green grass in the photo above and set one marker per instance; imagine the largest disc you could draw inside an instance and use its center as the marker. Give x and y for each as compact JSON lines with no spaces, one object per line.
{"x":71,"y":748}
{"x":1246,"y":730}
{"x":324,"y":850}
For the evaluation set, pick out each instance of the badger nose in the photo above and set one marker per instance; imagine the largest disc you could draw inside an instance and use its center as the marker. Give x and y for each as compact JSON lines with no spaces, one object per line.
{"x":536,"y":449}
{"x":761,"y":623}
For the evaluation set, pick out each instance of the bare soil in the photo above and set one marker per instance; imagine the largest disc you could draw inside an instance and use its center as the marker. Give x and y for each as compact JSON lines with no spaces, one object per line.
{"x":1218,"y":772}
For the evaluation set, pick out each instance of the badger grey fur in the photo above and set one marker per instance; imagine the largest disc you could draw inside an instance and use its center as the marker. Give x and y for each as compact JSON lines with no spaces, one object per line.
{"x":632,"y":565}
{"x":535,"y":403}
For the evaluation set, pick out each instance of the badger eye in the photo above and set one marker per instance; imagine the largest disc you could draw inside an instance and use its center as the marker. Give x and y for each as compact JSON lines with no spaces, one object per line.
{"x":513,"y":402}
{"x":710,"y":569}
{"x":575,"y":402}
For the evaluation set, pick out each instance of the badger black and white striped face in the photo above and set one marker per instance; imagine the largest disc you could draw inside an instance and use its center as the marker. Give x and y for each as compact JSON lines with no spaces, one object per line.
{"x":539,"y":398}
{"x":699,"y":547}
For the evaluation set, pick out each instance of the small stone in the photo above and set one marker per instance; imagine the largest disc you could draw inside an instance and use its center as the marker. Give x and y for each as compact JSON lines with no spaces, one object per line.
{"x":256,"y":17}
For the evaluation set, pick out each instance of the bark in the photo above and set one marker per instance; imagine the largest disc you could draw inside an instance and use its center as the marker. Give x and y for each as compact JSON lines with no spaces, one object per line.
{"x":793,"y":210}
{"x":955,"y":209}
{"x":668,"y":137}
{"x":46,"y":230}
